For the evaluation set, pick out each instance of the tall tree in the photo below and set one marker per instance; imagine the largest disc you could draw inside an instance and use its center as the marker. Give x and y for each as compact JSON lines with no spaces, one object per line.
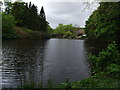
{"x":26,"y":16}
{"x":43,"y":20}
{"x":18,"y":11}
{"x":33,"y":17}
{"x":42,"y":14}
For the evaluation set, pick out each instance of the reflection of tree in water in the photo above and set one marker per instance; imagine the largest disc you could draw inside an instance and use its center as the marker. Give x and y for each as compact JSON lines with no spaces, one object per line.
{"x":27,"y":59}
{"x":94,"y":46}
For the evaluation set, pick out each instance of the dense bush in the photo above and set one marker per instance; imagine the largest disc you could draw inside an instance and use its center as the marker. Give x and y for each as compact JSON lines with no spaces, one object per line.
{"x":103,"y":24}
{"x":107,"y":62}
{"x":8,"y":23}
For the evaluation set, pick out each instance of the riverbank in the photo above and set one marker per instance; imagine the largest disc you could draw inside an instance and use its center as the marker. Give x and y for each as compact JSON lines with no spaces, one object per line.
{"x":25,"y":33}
{"x":91,"y":82}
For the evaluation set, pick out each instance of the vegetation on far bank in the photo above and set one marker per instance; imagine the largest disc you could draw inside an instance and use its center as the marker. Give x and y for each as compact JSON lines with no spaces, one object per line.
{"x":68,"y":31}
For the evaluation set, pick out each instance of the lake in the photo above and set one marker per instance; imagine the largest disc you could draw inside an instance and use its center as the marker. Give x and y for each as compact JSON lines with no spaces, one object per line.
{"x":34,"y":61}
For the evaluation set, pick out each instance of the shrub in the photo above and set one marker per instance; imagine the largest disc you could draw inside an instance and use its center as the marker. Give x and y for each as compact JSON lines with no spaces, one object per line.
{"x":107,"y":61}
{"x":8,"y":23}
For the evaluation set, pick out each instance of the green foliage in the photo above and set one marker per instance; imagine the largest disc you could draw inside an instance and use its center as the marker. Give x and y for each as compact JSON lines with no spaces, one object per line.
{"x":18,"y":11}
{"x":67,"y":34}
{"x":50,"y":84}
{"x":8,"y":23}
{"x":103,"y":24}
{"x":93,"y":82}
{"x":59,"y":30}
{"x":27,"y":16}
{"x":113,"y":70}
{"x":65,"y":31}
{"x":107,"y":61}
{"x":50,"y":30}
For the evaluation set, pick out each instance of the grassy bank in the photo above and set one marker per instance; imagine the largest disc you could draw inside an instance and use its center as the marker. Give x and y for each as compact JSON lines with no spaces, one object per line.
{"x":24,"y":33}
{"x":93,"y":82}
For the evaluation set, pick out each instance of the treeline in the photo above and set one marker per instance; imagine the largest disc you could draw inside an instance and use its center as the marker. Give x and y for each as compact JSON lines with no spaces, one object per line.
{"x":103,"y":24}
{"x":67,"y":31}
{"x":26,"y":15}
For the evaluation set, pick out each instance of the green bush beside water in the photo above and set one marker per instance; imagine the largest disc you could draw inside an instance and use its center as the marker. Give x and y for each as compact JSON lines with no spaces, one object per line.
{"x":107,"y":62}
{"x":93,"y":82}
{"x":8,"y":23}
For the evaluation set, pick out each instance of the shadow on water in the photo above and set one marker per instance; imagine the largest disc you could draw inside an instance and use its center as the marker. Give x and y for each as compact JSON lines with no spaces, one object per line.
{"x":22,"y":62}
{"x":27,"y":61}
{"x":94,"y":46}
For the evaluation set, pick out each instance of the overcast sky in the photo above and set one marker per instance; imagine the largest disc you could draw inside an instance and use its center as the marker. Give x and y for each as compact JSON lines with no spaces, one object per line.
{"x":65,"y":12}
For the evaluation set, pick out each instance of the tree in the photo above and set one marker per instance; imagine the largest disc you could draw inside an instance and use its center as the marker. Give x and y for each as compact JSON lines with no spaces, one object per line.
{"x":33,"y":17}
{"x":27,"y":16}
{"x":18,"y":12}
{"x":42,"y":14}
{"x":103,"y":24}
{"x":43,"y":23}
{"x":8,"y":23}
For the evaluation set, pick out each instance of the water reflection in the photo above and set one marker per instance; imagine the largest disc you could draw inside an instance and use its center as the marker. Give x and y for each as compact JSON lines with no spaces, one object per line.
{"x":28,"y":61}
{"x":22,"y":62}
{"x":94,"y":46}
{"x":66,"y":59}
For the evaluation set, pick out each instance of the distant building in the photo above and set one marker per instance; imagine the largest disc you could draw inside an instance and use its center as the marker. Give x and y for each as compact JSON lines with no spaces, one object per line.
{"x":80,"y":32}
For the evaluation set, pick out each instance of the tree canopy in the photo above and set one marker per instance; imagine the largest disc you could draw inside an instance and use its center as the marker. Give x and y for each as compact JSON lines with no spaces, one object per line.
{"x":104,"y":22}
{"x":26,"y":15}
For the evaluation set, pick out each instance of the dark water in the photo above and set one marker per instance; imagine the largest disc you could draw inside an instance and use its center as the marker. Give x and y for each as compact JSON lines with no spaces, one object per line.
{"x":28,"y":61}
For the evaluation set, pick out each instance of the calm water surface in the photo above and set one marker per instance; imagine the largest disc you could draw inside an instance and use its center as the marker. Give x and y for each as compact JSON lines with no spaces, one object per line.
{"x":28,"y":61}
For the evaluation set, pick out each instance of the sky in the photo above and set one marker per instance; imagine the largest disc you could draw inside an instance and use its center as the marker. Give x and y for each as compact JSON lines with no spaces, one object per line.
{"x":65,"y":11}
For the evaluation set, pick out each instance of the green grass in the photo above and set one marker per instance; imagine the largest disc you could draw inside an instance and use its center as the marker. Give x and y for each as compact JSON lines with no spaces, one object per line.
{"x":93,"y":82}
